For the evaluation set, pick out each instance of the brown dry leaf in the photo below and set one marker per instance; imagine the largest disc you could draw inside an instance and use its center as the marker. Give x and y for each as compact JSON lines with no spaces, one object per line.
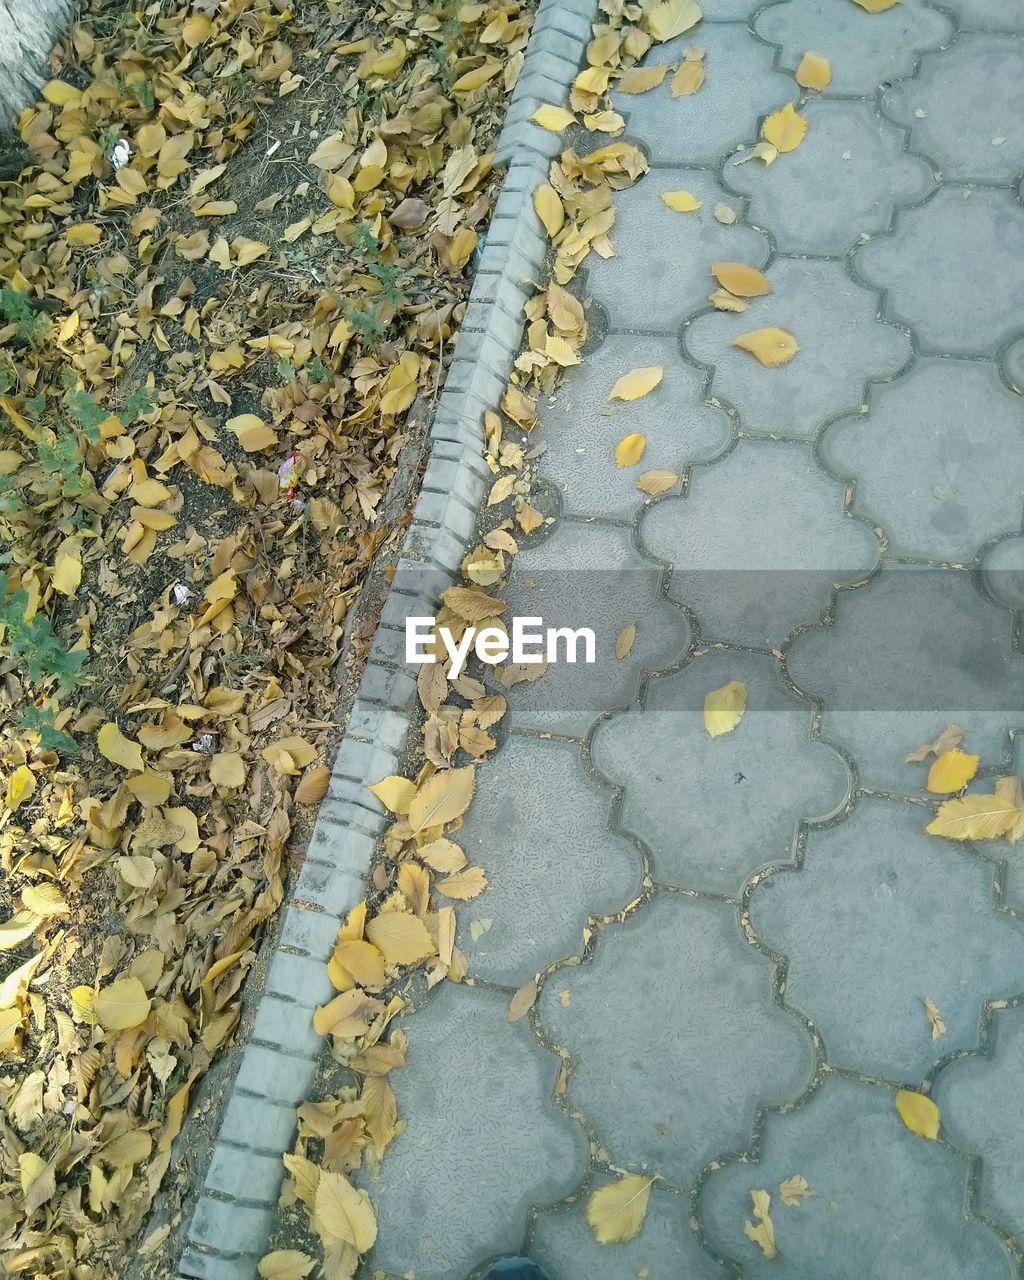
{"x":771,"y":347}
{"x":625,"y":640}
{"x":918,"y":1113}
{"x":636,"y":383}
{"x":630,"y":450}
{"x":814,"y":71}
{"x":400,"y":937}
{"x":523,"y":1001}
{"x":616,"y":1212}
{"x":285,"y":1264}
{"x":724,"y":708}
{"x":343,"y":1212}
{"x":793,"y":1190}
{"x":313,"y":787}
{"x":742,"y":280}
{"x":763,"y":1233}
{"x":785,"y":129}
{"x":975,"y":817}
{"x":681,"y":201}
{"x":951,"y":771}
{"x":442,"y":798}
{"x":949,"y":738}
{"x":122,"y":1005}
{"x":654,"y":482}
{"x":934,"y":1018}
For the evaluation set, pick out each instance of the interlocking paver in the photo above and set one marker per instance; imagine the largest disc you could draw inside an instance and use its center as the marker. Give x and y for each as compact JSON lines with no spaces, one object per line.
{"x":842,"y":347}
{"x":885,"y":1204}
{"x":843,"y":181}
{"x":675,"y":1036}
{"x":758,"y":784}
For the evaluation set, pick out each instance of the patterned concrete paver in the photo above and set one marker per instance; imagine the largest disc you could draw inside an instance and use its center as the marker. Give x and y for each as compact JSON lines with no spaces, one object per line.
{"x":735,"y":937}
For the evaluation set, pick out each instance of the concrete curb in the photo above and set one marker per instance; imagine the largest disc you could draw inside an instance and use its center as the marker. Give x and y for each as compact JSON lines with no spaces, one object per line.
{"x":236,"y":1209}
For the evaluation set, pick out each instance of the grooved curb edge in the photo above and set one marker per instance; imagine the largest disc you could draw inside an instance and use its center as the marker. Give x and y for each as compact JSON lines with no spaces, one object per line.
{"x":236,"y":1209}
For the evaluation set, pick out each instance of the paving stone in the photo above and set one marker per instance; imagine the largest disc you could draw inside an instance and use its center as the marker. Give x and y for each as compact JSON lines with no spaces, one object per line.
{"x":667,"y":1092}
{"x":865,"y":50}
{"x":981,"y":1098}
{"x":987,"y":15}
{"x":842,"y":347}
{"x":525,"y":845}
{"x":955,"y":118}
{"x":841,"y":182}
{"x":886,"y":1204}
{"x":860,"y":924}
{"x":954,"y":269}
{"x":1012,"y":365}
{"x":703,"y":127}
{"x":713,"y":810}
{"x":665,"y":1249}
{"x":590,"y":575}
{"x":930,"y":458}
{"x":758,"y":542}
{"x":582,"y":428}
{"x":910,"y":653}
{"x":472,"y":1095}
{"x":660,"y":272}
{"x":1002,"y":568}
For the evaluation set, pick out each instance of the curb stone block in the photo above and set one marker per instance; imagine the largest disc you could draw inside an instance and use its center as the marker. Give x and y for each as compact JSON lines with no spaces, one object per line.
{"x":274,"y":1077}
{"x":276,"y":1024}
{"x":260,"y":1175}
{"x":312,"y":932}
{"x":260,"y":1124}
{"x":343,"y":849}
{"x":234,"y":1233}
{"x":301,"y":979}
{"x":206,"y":1266}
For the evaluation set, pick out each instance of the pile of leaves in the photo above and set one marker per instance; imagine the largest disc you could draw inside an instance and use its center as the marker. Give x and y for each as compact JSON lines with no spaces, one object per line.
{"x":409,"y":923}
{"x":239,"y":248}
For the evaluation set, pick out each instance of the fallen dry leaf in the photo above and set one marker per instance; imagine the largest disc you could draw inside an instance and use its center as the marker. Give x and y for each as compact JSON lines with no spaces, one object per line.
{"x":681,"y":201}
{"x":951,"y":771}
{"x":654,"y":482}
{"x":443,"y":797}
{"x":670,"y":18}
{"x":553,"y":118}
{"x":625,"y":640}
{"x":636,"y":383}
{"x":740,"y":279}
{"x":949,"y":738}
{"x":771,"y":347}
{"x":523,"y":1001}
{"x":934,"y":1018}
{"x":630,"y":450}
{"x":785,"y":129}
{"x":761,"y":1230}
{"x":975,"y":817}
{"x":918,"y":1113}
{"x":616,"y":1212}
{"x":814,"y":71}
{"x":724,"y":708}
{"x":793,"y":1190}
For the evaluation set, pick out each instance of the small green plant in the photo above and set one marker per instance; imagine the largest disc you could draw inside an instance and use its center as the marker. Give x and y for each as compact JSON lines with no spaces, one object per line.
{"x":317,"y":371}
{"x":16,"y":309}
{"x":35,"y":643}
{"x":285,"y":369}
{"x":40,"y":720}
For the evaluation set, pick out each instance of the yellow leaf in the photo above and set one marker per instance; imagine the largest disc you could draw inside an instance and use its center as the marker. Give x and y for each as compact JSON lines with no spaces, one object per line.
{"x":362,"y":960}
{"x":974,"y":818}
{"x":522,"y":1002}
{"x":763,"y":1234}
{"x":463,"y":885}
{"x":630,"y":450}
{"x":252,"y":432}
{"x":605,"y":122}
{"x":688,"y":79}
{"x":724,"y":708}
{"x":681,"y":201}
{"x":442,"y":798}
{"x":196,"y":29}
{"x":122,"y":1005}
{"x":394,"y":792}
{"x":672,"y":17}
{"x":477,"y":78}
{"x":723,"y":300}
{"x":553,"y":118}
{"x":247,"y":251}
{"x":44,"y":900}
{"x":793,"y":1190}
{"x":1009,"y":789}
{"x":285,"y":1264}
{"x":951,"y":771}
{"x":738,"y":278}
{"x":763,"y":151}
{"x":814,"y":71}
{"x":227,"y":769}
{"x":918,"y":1113}
{"x":69,"y":328}
{"x":529,"y":518}
{"x":149,"y":788}
{"x":83,"y":233}
{"x":118,"y":749}
{"x":636,"y":383}
{"x":21,"y":786}
{"x":785,"y":129}
{"x":501,"y":490}
{"x":656,"y":481}
{"x":616,"y":1212}
{"x":771,"y":347}
{"x":343,"y":1212}
{"x":60,"y":93}
{"x":17,"y":929}
{"x":876,"y":6}
{"x":625,"y":640}
{"x":549,"y":208}
{"x":641,"y":79}
{"x":400,"y":937}
{"x":560,"y":351}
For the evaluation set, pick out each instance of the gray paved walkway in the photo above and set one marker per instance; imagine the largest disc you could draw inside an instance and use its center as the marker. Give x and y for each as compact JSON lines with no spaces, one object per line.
{"x":765,"y":924}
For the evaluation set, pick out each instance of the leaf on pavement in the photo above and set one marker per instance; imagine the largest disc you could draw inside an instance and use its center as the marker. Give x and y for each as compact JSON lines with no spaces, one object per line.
{"x":935,"y":1020}
{"x":741,"y":280}
{"x":523,"y":1000}
{"x":343,"y":1212}
{"x":724,"y":708}
{"x":442,"y":798}
{"x":636,"y":383}
{"x":949,"y":738}
{"x":975,"y":817}
{"x":761,"y":1230}
{"x":400,"y":937}
{"x":951,"y":771}
{"x":785,"y":129}
{"x":616,"y":1212}
{"x":625,"y":640}
{"x":394,"y":792}
{"x":770,"y":346}
{"x":681,"y":201}
{"x":630,"y":450}
{"x":918,"y":1113}
{"x":814,"y":71}
{"x":793,"y":1190}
